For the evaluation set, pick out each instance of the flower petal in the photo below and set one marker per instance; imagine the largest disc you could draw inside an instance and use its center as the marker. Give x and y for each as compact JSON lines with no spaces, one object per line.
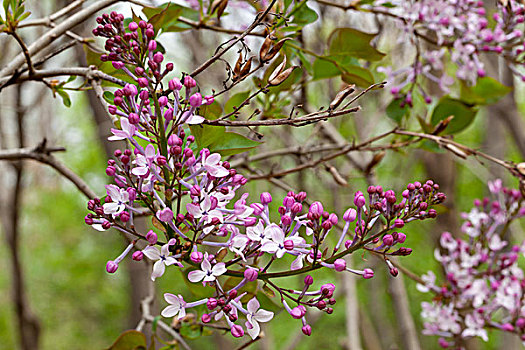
{"x":253,"y":305}
{"x":196,"y":276}
{"x":263,"y":315}
{"x":219,"y":269}
{"x":158,"y":270}
{"x":151,"y":252}
{"x":170,"y":311}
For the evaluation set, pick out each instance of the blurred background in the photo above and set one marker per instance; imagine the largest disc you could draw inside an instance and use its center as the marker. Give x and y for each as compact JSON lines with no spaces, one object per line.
{"x":54,"y":265}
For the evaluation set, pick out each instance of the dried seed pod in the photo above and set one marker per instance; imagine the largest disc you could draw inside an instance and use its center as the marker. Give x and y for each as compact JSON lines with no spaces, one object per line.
{"x":282,"y":77}
{"x":267,"y":44}
{"x":219,"y":6}
{"x":341,"y":96}
{"x":442,"y":125}
{"x":247,"y":67}
{"x":278,"y":70}
{"x":221,"y":254}
{"x":274,"y":50}
{"x":378,"y":157}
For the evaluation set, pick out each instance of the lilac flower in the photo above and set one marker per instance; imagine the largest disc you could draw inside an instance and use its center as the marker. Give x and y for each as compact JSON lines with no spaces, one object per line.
{"x":261,"y":234}
{"x":119,"y":197}
{"x":207,"y":272}
{"x":163,"y":259}
{"x":212,"y":164}
{"x":277,"y":243}
{"x":127,"y":131}
{"x":176,"y":307}
{"x":143,"y":163}
{"x":254,"y":316}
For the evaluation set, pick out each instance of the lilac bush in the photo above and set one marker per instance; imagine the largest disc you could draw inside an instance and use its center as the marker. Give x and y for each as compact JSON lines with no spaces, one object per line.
{"x":202,"y":219}
{"x":458,"y":31}
{"x":484,"y":286}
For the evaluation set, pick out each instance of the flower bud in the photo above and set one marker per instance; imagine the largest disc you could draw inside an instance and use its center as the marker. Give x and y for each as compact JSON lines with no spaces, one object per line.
{"x":205,"y":318}
{"x":307,"y":330}
{"x":288,"y":244}
{"x":388,"y":240}
{"x":237,"y":331}
{"x":208,"y":100}
{"x":196,"y":257}
{"x":297,"y":313}
{"x":368,"y":273}
{"x":266,"y":198}
{"x":251,"y":274}
{"x":158,"y":57}
{"x":211,"y":303}
{"x":316,"y":210}
{"x":350,"y":215}
{"x":401,"y":237}
{"x":111,"y":266}
{"x":117,"y":64}
{"x":151,"y":237}
{"x":124,"y":216}
{"x":286,"y":220}
{"x":189,"y":82}
{"x":165,"y":215}
{"x":257,"y":208}
{"x":174,"y":84}
{"x":143,"y":82}
{"x":138,"y":255}
{"x":339,"y":265}
{"x":398,"y":223}
{"x":196,"y":100}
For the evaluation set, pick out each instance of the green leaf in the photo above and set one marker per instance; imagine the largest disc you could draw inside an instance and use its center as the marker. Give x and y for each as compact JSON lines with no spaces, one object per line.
{"x":325,"y":69}
{"x":360,"y":76}
{"x":235,"y":101}
{"x":303,"y":14}
{"x":65,"y":97}
{"x":191,"y":331}
{"x":354,"y":43}
{"x":130,"y":340}
{"x":108,"y":96}
{"x":463,"y":114}
{"x":394,"y":110}
{"x":232,"y":143}
{"x":169,"y":21}
{"x":486,"y":91}
{"x":211,"y":112}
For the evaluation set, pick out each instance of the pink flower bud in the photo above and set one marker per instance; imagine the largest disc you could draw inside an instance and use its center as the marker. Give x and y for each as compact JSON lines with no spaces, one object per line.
{"x":124,"y":216}
{"x":165,"y":215}
{"x":316,"y":210}
{"x":350,"y":215}
{"x":150,"y":33}
{"x":208,"y":100}
{"x":288,"y":244}
{"x":143,"y":82}
{"x":286,"y":220}
{"x":297,"y":313}
{"x":333,"y":219}
{"x":138,"y":255}
{"x":117,"y":64}
{"x":388,"y":240}
{"x":401,"y":237}
{"x":251,"y":274}
{"x":360,"y":201}
{"x":237,"y":331}
{"x":398,"y":223}
{"x":196,"y":257}
{"x":151,"y":237}
{"x":339,"y":265}
{"x":368,"y":273}
{"x":307,"y":330}
{"x":205,"y":318}
{"x":189,"y":82}
{"x":327,"y":288}
{"x":133,"y":26}
{"x":211,"y":303}
{"x":308,"y":280}
{"x":163,"y":101}
{"x":158,"y":57}
{"x":266,"y":198}
{"x":196,"y":100}
{"x":257,"y":208}
{"x":250,"y":221}
{"x":507,"y":327}
{"x":296,"y":208}
{"x":111,"y":266}
{"x":174,"y":84}
{"x":288,"y":202}
{"x":112,"y":109}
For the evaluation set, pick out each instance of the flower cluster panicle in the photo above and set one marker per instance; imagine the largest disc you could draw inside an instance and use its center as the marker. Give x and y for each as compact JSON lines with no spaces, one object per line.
{"x":484,"y":286}
{"x":199,"y":219}
{"x":461,"y":28}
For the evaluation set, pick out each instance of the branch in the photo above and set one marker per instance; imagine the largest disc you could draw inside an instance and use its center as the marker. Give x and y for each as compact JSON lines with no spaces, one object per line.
{"x":88,"y":72}
{"x":25,"y":52}
{"x":47,"y":20}
{"x":302,"y":121}
{"x":43,"y":155}
{"x":53,"y":34}
{"x":209,"y":62}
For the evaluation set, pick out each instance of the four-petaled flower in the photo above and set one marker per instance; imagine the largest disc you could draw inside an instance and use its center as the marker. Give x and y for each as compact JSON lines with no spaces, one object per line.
{"x":212,"y":164}
{"x":276,"y":244}
{"x":127,"y":132}
{"x":119,"y":196}
{"x":207,"y":273}
{"x":143,"y":163}
{"x":254,"y":316}
{"x":162,"y":257}
{"x":177,"y":306}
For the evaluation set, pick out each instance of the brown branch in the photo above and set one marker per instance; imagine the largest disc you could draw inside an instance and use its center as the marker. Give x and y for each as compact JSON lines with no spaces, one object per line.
{"x":44,"y":156}
{"x":47,"y":20}
{"x":301,"y":121}
{"x":259,"y":18}
{"x":198,"y":25}
{"x":20,"y":42}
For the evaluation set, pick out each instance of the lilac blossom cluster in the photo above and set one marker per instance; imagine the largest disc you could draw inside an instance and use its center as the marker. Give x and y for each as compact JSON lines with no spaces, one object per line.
{"x":190,"y":192}
{"x":484,"y":286}
{"x":459,"y":31}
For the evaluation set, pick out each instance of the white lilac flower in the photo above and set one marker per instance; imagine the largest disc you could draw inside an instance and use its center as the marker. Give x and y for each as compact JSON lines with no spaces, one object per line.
{"x":127,"y":131}
{"x":212,"y":164}
{"x":254,"y":316}
{"x":207,"y":273}
{"x":163,"y":259}
{"x":259,"y":233}
{"x":276,"y":244}
{"x":176,"y":307}
{"x":119,"y":197}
